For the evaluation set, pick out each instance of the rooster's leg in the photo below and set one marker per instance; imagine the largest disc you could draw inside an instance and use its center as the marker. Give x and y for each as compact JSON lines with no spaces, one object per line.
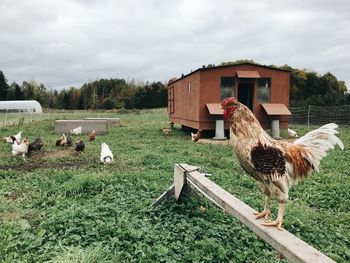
{"x":279,"y":219}
{"x":266,"y":212}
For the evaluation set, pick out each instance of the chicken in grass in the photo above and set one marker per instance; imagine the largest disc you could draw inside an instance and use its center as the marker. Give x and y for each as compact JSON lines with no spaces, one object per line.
{"x":292,"y":133}
{"x":36,"y":145}
{"x":76,"y":131}
{"x":167,"y":131}
{"x":69,"y":140}
{"x":196,"y":136}
{"x":79,"y":146}
{"x":276,"y":165}
{"x":92,"y":136}
{"x":106,"y":154}
{"x":58,"y":142}
{"x":21,"y":148}
{"x":13,"y":138}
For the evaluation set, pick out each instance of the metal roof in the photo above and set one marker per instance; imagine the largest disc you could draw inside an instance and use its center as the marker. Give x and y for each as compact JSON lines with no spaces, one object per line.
{"x":276,"y":109}
{"x":248,"y":74}
{"x":227,"y":66}
{"x":214,"y":108}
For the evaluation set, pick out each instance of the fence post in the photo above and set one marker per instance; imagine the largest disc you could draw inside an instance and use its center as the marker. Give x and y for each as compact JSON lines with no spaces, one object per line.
{"x":5,"y":117}
{"x":308,"y":117}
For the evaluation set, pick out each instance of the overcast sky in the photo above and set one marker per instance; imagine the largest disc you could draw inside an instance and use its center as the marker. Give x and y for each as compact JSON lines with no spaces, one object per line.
{"x":69,"y":42}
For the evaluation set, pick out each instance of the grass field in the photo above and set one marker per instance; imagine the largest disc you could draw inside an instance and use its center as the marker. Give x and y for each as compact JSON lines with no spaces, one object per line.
{"x":63,"y":207}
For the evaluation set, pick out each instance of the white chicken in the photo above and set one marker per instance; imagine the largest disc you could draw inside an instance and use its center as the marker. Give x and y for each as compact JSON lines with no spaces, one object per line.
{"x":14,"y":138}
{"x":106,"y":154}
{"x":76,"y":131}
{"x":292,"y":133}
{"x":21,"y":148}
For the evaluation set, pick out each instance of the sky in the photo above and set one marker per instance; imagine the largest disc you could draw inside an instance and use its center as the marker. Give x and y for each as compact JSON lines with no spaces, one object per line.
{"x":64,"y":43}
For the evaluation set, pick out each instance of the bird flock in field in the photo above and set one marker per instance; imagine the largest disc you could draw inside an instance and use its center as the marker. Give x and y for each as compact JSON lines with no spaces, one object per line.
{"x":24,"y":148}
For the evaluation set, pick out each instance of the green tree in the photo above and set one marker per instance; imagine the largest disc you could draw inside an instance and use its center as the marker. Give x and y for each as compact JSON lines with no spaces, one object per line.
{"x":11,"y":92}
{"x":3,"y":86}
{"x":19,"y":95}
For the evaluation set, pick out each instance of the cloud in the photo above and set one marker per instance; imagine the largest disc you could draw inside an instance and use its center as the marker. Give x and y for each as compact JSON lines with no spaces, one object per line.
{"x":64,"y":43}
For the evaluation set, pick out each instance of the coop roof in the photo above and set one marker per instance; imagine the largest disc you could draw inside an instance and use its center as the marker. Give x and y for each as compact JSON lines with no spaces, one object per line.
{"x":23,"y":105}
{"x":244,"y":74}
{"x":273,"y":109}
{"x":214,"y":108}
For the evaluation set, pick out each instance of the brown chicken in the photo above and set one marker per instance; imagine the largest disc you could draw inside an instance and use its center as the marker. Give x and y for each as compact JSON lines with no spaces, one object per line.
{"x":276,"y":165}
{"x":196,"y":136}
{"x":167,"y":131}
{"x":92,"y":136}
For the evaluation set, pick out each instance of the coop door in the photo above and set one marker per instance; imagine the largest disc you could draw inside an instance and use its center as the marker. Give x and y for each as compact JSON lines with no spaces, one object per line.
{"x":246,"y":94}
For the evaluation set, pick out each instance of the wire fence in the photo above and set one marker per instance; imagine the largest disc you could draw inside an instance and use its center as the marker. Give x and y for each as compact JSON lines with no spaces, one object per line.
{"x":314,"y":115}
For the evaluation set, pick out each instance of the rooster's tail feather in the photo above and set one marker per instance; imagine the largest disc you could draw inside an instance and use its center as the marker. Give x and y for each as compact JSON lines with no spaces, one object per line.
{"x":319,"y":141}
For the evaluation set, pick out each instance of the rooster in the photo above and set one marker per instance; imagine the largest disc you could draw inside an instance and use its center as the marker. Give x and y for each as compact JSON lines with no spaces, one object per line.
{"x":106,"y":154}
{"x":21,"y":148}
{"x":92,"y":136}
{"x":76,"y":131}
{"x":196,"y":136}
{"x":276,"y":165}
{"x":36,"y":145}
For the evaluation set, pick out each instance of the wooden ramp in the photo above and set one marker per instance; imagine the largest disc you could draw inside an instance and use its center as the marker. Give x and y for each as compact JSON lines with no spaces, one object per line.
{"x":291,"y":247}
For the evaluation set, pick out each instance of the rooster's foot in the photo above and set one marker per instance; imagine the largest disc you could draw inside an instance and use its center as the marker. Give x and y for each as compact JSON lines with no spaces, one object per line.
{"x":277,"y":223}
{"x":266,"y":214}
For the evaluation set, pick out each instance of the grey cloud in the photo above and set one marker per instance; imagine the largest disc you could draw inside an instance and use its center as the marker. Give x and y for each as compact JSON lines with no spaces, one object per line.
{"x":64,"y":43}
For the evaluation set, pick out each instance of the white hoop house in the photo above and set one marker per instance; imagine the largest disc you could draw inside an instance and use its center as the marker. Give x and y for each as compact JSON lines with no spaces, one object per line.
{"x":20,"y":106}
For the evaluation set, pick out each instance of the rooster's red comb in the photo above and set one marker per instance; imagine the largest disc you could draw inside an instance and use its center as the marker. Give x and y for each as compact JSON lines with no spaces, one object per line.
{"x":228,"y":101}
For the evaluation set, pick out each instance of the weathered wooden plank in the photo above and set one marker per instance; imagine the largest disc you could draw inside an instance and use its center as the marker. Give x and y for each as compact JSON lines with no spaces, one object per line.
{"x":64,"y":126}
{"x":284,"y":242}
{"x":179,"y":180}
{"x":167,"y":194}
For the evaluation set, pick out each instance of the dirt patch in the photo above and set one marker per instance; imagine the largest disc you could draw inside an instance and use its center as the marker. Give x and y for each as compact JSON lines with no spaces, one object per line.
{"x":13,"y":196}
{"x":10,"y":216}
{"x":43,"y":160}
{"x":59,"y":153}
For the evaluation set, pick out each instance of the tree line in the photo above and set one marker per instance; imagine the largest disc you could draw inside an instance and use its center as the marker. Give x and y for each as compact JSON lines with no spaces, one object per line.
{"x":100,"y":94}
{"x":306,"y":88}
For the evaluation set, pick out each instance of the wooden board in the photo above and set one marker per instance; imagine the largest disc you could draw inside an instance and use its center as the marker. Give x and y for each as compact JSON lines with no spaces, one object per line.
{"x":214,"y":108}
{"x":291,"y":247}
{"x":164,"y":196}
{"x":179,"y":180}
{"x":276,"y":109}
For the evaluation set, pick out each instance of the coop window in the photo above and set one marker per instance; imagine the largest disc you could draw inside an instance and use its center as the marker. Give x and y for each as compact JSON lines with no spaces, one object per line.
{"x":227,"y":87}
{"x":189,"y":87}
{"x":264,"y":90}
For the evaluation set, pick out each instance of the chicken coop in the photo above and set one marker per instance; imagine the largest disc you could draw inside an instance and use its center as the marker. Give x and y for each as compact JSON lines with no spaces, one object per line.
{"x":194,"y":99}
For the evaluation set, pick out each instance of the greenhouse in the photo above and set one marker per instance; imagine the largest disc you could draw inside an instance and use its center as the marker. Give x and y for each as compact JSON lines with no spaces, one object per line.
{"x":20,"y":106}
